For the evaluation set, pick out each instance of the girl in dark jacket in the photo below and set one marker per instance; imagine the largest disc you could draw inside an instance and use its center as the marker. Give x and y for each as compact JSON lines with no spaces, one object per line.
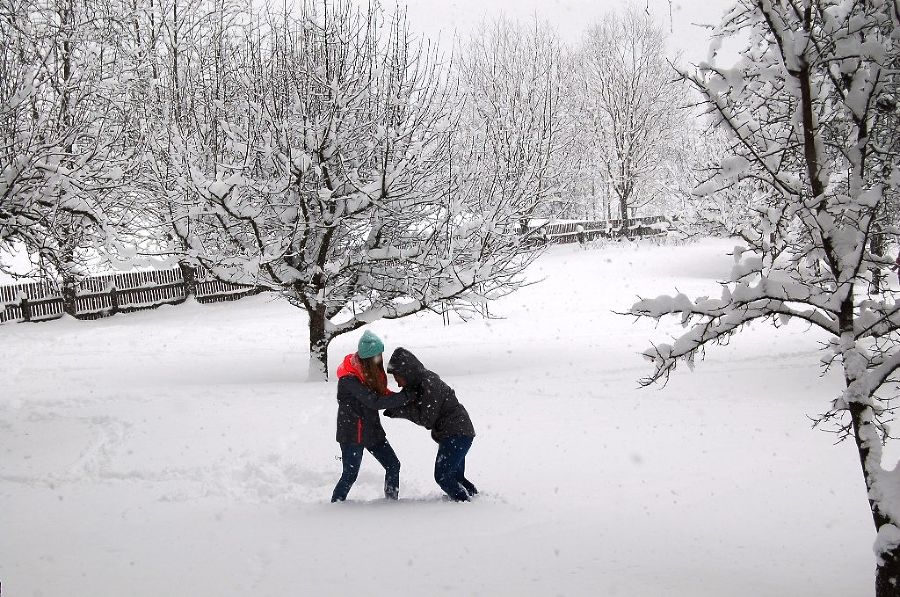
{"x":434,"y":406}
{"x":362,"y":391}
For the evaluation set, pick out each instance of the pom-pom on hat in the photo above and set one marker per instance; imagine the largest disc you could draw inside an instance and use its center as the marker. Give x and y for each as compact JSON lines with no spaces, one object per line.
{"x":369,"y":345}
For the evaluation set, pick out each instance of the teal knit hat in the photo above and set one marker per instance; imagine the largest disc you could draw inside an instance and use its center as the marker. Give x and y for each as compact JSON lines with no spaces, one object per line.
{"x":369,"y":345}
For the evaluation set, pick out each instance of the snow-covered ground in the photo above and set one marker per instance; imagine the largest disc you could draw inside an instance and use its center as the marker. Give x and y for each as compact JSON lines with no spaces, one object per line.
{"x":180,"y":452}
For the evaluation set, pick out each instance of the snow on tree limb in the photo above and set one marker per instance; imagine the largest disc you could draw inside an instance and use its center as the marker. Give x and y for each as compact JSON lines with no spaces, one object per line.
{"x":362,"y":188}
{"x":802,"y":111}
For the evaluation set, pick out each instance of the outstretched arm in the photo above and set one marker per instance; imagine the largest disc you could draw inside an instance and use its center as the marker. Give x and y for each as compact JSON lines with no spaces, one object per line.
{"x":410,"y":411}
{"x":372,"y":400}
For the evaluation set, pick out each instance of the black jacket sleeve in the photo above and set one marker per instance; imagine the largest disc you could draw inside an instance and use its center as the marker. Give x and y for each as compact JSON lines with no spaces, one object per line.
{"x":370,"y":399}
{"x":410,"y":411}
{"x":422,"y":410}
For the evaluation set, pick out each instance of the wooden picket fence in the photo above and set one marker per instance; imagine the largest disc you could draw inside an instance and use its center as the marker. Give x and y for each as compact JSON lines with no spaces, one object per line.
{"x":568,"y":231}
{"x":104,"y":295}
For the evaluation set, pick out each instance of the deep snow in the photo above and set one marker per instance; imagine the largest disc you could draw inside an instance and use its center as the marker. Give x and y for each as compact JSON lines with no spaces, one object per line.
{"x":180,"y":452}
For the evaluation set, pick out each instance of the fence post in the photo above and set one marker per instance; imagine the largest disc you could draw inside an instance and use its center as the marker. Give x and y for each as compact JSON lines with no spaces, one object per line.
{"x":113,"y":300}
{"x":26,"y":309}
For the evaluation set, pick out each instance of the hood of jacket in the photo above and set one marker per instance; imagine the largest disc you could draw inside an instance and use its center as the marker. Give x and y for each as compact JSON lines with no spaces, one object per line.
{"x":406,"y":365}
{"x":350,"y":366}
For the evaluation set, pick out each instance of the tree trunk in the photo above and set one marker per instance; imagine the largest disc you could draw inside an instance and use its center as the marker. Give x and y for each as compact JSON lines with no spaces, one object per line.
{"x":69,"y":295}
{"x":113,"y":300}
{"x":623,"y":194}
{"x":877,"y":248}
{"x":887,"y":574}
{"x":67,"y":269}
{"x":318,"y":346}
{"x":887,"y":569}
{"x":189,"y":275}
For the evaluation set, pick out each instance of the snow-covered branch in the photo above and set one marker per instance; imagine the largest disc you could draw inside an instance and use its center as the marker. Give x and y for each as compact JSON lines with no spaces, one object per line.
{"x":802,"y":110}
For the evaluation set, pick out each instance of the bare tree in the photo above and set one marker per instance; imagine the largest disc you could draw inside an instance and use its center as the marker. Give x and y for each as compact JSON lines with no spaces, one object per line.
{"x":182,"y":50}
{"x":512,"y":148}
{"x":330,"y":181}
{"x":808,"y":109}
{"x":61,"y":122}
{"x":631,"y":108}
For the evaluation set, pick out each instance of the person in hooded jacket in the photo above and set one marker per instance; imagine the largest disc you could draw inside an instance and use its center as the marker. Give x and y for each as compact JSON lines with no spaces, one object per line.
{"x":434,"y":406}
{"x":362,"y":391}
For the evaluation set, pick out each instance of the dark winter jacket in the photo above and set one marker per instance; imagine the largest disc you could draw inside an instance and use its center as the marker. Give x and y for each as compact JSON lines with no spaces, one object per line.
{"x":434,"y":405}
{"x":357,"y":417}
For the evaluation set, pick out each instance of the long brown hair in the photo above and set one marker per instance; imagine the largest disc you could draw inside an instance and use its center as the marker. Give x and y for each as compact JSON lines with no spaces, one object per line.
{"x":373,"y":372}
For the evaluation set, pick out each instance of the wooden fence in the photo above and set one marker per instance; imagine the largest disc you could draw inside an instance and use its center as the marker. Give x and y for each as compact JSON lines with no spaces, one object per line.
{"x":569,"y":232}
{"x":101,"y":296}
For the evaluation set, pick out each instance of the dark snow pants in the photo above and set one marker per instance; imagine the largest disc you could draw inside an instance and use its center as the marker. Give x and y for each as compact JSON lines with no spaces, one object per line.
{"x":450,"y":467}
{"x":351,"y":457}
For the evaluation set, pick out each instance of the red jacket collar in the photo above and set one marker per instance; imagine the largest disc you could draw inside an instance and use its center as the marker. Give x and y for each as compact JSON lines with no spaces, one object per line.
{"x":350,"y":366}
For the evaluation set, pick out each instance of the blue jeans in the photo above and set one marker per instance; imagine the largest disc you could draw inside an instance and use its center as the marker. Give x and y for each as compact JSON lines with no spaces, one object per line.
{"x":351,"y":456}
{"x":450,"y":467}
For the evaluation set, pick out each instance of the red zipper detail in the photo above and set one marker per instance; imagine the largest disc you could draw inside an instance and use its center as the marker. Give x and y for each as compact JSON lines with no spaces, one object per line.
{"x":359,"y":431}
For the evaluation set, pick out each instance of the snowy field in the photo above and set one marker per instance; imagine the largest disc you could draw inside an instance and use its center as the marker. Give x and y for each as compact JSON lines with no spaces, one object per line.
{"x":180,"y":452}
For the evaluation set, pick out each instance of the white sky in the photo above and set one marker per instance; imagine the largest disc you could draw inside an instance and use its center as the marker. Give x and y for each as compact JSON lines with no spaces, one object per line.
{"x":571,"y":17}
